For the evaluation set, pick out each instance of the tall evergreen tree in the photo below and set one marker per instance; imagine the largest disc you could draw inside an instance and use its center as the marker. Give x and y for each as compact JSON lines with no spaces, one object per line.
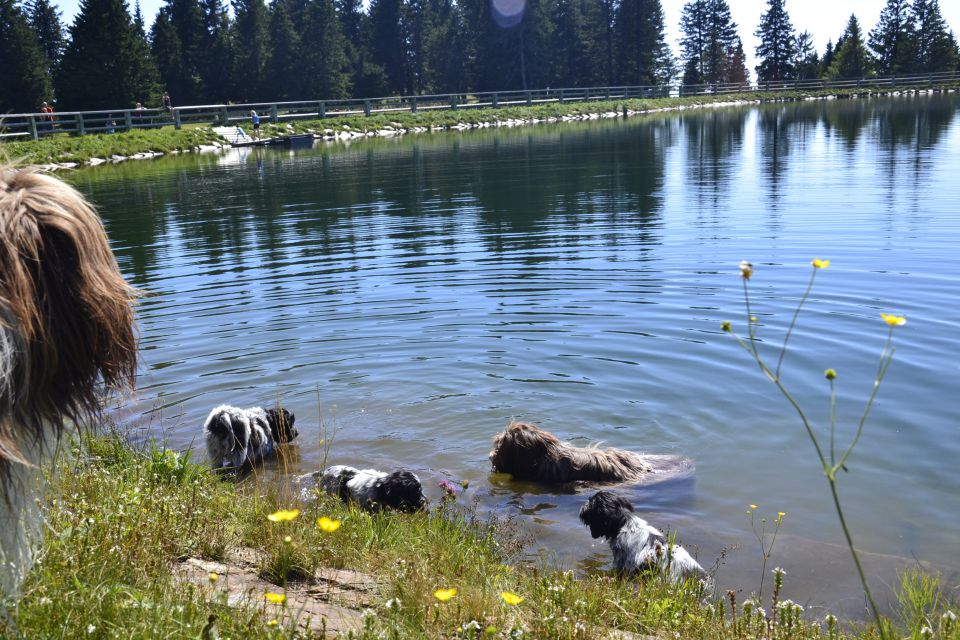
{"x":23,"y":82}
{"x":572,"y":64}
{"x":722,"y":39}
{"x":283,"y":71}
{"x":851,"y":58}
{"x":777,"y":49}
{"x":107,"y":64}
{"x":45,"y":20}
{"x":166,"y":49}
{"x":387,"y":24}
{"x":736,"y":66}
{"x":933,"y":43}
{"x":366,"y":77}
{"x":217,"y":49}
{"x":323,"y":59}
{"x":185,"y":80}
{"x":892,"y":40}
{"x":827,"y":59}
{"x":644,"y":57}
{"x":695,"y":27}
{"x":252,"y":50}
{"x":806,"y":63}
{"x":439,"y":66}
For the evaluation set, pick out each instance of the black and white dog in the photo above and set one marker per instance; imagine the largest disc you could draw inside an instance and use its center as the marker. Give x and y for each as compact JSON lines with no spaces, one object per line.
{"x":637,"y":547}
{"x":374,"y":490}
{"x":238,"y":437}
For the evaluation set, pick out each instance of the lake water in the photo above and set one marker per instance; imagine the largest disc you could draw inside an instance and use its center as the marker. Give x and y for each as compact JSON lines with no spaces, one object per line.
{"x":417,"y":294}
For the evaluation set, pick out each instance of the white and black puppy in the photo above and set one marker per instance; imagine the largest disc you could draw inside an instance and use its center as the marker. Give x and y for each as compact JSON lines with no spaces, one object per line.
{"x":374,"y":490}
{"x":238,"y":437}
{"x":637,"y":547}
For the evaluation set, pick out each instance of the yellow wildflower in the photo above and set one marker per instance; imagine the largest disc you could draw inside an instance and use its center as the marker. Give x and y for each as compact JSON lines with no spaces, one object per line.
{"x":753,"y":506}
{"x":214,"y":576}
{"x":830,"y":374}
{"x":283,"y":515}
{"x":273,"y":623}
{"x":327,"y":525}
{"x":511,"y":598}
{"x":444,"y":594}
{"x":892,"y":320}
{"x":275,"y":598}
{"x":746,"y":269}
{"x":820,"y":264}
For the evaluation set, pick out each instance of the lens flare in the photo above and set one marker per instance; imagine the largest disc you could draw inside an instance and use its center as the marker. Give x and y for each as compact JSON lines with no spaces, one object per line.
{"x":508,"y":13}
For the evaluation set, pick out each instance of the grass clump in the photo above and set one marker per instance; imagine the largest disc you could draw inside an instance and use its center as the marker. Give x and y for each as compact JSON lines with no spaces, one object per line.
{"x":120,"y":520}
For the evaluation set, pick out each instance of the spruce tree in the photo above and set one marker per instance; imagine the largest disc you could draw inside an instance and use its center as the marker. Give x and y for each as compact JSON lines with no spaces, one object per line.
{"x":806,"y":63}
{"x":283,"y":71}
{"x":185,"y":81}
{"x":387,"y":24}
{"x":323,"y":60}
{"x":892,"y":40}
{"x":23,"y":81}
{"x":695,"y":27}
{"x":107,"y":64}
{"x":827,"y":59}
{"x":166,"y":49}
{"x":252,"y":50}
{"x":736,"y":66}
{"x":442,"y":51}
{"x":366,"y":78}
{"x":777,"y":49}
{"x":722,"y":38}
{"x":217,"y":49}
{"x":851,"y":59}
{"x":933,"y":43}
{"x":644,"y":57}
{"x":45,"y":21}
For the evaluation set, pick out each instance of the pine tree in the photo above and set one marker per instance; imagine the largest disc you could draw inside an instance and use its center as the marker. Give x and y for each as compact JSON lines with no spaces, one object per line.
{"x":696,"y":33}
{"x":777,"y":49}
{"x":323,"y":59}
{"x":827,"y":59}
{"x":851,"y":59}
{"x":45,"y":21}
{"x":736,"y":66}
{"x":217,"y":49}
{"x":283,"y":70}
{"x":892,"y":40}
{"x":442,"y":53}
{"x":387,"y":23}
{"x":933,"y":42}
{"x":23,"y":82}
{"x":722,"y":39}
{"x":644,"y":57}
{"x":806,"y":63}
{"x":252,"y":50}
{"x":107,"y":64}
{"x":185,"y":80}
{"x":367,"y":78}
{"x":165,"y":47}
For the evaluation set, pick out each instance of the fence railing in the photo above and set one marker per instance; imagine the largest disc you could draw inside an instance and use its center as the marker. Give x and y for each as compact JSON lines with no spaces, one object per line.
{"x":37,"y":125}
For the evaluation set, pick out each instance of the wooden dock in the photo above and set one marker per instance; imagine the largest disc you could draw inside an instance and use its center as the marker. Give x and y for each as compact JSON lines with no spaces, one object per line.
{"x":237,"y":137}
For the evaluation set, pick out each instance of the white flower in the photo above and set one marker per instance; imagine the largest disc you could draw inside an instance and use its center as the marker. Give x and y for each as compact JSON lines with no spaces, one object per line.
{"x":91,"y":628}
{"x":926,"y":632}
{"x":393,"y":603}
{"x":949,"y":616}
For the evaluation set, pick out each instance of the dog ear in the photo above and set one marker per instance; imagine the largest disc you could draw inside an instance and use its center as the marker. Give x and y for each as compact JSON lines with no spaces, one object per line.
{"x":281,"y":425}
{"x":402,"y":491}
{"x":605,"y":513}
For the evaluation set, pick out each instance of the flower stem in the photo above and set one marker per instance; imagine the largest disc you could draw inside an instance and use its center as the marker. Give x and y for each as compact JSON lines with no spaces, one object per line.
{"x":793,"y":322}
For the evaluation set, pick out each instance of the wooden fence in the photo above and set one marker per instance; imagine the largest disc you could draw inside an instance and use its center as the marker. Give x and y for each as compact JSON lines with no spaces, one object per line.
{"x":37,"y":125}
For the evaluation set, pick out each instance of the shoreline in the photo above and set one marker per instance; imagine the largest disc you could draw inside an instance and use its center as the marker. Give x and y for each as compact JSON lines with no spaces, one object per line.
{"x":206,"y":140}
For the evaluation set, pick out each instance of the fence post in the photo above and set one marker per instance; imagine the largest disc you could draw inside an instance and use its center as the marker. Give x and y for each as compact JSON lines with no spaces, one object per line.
{"x":128,"y":120}
{"x":413,"y":104}
{"x":322,"y":110}
{"x":561,"y":96}
{"x":529,"y":99}
{"x":496,"y":100}
{"x":80,"y":128}
{"x":453,"y":102}
{"x":366,"y":107}
{"x":274,"y":118}
{"x":893,"y":81}
{"x":33,"y":128}
{"x":176,"y":119}
{"x":224,"y":119}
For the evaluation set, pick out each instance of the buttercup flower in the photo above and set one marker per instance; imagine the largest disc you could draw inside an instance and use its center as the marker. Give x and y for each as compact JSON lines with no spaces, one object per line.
{"x":746,"y":269}
{"x":275,"y":598}
{"x":892,"y":320}
{"x":273,"y":623}
{"x":214,"y":576}
{"x":283,"y":515}
{"x":444,"y":594}
{"x":830,"y":374}
{"x":753,"y":506}
{"x":726,"y":326}
{"x":820,"y":264}
{"x":327,"y":525}
{"x":511,"y":598}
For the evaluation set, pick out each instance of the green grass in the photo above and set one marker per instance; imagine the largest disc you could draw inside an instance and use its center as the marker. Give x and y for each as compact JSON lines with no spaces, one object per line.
{"x":66,"y":148}
{"x":119,"y":519}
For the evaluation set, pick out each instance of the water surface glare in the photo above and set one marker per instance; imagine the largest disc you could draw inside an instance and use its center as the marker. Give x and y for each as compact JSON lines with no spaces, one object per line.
{"x":416,"y":294}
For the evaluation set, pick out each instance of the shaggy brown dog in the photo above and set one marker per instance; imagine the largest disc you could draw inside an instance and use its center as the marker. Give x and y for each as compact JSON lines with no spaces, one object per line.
{"x":528,"y":452}
{"x":66,"y":333}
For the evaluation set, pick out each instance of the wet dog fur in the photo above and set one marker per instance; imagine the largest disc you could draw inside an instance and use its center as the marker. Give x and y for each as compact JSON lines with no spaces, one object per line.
{"x":374,"y":490}
{"x":237,"y":438}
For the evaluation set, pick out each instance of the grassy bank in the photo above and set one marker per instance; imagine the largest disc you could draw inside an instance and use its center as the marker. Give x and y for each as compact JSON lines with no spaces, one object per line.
{"x":80,"y":149}
{"x":122,"y":521}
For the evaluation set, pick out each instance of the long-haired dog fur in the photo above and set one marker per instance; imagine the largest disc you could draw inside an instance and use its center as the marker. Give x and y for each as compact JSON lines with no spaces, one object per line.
{"x":637,"y":547}
{"x":374,"y":490}
{"x":527,"y":452}
{"x":237,"y":438}
{"x":67,"y":334}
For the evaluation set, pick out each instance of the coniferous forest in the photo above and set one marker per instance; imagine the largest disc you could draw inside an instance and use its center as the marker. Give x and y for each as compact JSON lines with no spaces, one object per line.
{"x":201,"y":53}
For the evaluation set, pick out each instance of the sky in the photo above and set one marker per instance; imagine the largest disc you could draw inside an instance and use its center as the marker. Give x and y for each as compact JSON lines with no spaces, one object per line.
{"x":824,"y":19}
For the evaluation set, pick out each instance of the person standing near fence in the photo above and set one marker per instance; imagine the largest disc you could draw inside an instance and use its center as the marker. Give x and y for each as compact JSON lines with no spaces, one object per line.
{"x":255,"y":121}
{"x":167,"y":102}
{"x":48,"y":118}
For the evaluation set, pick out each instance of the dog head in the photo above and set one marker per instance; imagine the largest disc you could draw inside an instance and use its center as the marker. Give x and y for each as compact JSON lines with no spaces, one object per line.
{"x":401,"y":490}
{"x":605,"y":513}
{"x":281,"y":425}
{"x":521,"y":449}
{"x":66,"y":317}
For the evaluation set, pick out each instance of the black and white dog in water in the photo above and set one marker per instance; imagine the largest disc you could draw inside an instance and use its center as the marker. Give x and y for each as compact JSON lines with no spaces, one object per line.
{"x":374,"y":490}
{"x":238,"y":437}
{"x":637,"y":547}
